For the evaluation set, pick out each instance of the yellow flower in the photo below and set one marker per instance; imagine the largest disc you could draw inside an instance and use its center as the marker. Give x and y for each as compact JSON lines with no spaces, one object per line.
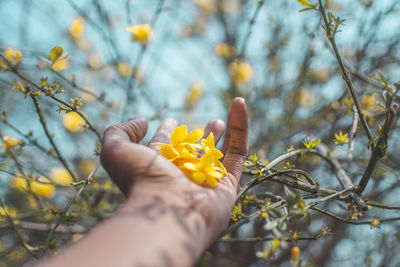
{"x":73,"y":122}
{"x":182,"y":151}
{"x":182,"y":144}
{"x":376,"y":223}
{"x":240,"y":71}
{"x":41,"y":187}
{"x":142,"y":33}
{"x":124,"y":69}
{"x":13,"y":56}
{"x":224,"y":50}
{"x":206,"y":170}
{"x":77,"y":28}
{"x":341,"y":139}
{"x":61,"y":64}
{"x":11,"y":212}
{"x":236,"y":212}
{"x":10,"y":141}
{"x":60,"y":176}
{"x":194,"y":95}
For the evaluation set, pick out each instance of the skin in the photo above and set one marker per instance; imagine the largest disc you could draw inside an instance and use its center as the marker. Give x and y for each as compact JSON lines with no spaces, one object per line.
{"x":167,"y":220}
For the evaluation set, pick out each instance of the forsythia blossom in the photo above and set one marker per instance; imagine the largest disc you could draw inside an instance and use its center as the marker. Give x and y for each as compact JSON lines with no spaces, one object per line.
{"x":341,"y":138}
{"x":184,"y":151}
{"x":142,"y":33}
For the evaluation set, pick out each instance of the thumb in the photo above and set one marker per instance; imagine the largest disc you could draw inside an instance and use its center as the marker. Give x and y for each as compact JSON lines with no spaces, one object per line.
{"x":238,"y":145}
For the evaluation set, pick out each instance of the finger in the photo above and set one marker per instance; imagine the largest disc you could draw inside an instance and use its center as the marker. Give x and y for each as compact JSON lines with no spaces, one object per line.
{"x":215,"y":126}
{"x":130,"y":131}
{"x":163,"y":133}
{"x":227,"y":136}
{"x":120,"y":151}
{"x":238,"y":142}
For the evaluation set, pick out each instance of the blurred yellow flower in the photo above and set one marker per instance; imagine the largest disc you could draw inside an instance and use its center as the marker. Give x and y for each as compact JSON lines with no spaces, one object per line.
{"x":77,"y":28}
{"x":321,"y":75}
{"x":86,"y":166}
{"x":86,"y":96}
{"x":60,"y":176}
{"x":42,"y":187}
{"x":230,"y":6}
{"x":73,"y":122}
{"x":206,"y":6}
{"x":94,"y":61}
{"x":7,"y":211}
{"x":61,"y":64}
{"x":306,"y":99}
{"x":140,"y":76}
{"x":341,"y":138}
{"x":124,"y":69}
{"x":10,"y":141}
{"x":240,"y":71}
{"x":142,"y":33}
{"x":368,"y":102}
{"x":13,"y":56}
{"x":224,"y":50}
{"x":194,"y":95}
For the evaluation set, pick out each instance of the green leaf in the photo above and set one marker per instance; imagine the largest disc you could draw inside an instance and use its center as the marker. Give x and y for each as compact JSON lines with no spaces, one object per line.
{"x":56,"y":53}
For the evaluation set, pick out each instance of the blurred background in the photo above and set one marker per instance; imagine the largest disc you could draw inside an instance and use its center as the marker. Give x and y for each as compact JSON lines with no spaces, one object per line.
{"x":188,"y":62}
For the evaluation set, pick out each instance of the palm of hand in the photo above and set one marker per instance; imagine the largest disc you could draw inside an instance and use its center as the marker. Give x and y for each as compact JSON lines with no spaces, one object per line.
{"x":140,"y":171}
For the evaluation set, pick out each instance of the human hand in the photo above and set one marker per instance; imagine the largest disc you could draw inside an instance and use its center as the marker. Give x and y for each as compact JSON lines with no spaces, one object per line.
{"x":149,"y":179}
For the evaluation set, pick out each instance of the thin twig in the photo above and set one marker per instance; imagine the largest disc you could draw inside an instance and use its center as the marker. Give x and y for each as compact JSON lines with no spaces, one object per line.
{"x":379,"y":150}
{"x":344,"y":70}
{"x":66,"y":208}
{"x":50,"y":137}
{"x":336,"y":217}
{"x":10,"y":221}
{"x":353,"y":131}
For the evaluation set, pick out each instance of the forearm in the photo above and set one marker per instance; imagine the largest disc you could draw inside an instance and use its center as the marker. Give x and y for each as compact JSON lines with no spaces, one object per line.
{"x":152,"y":232}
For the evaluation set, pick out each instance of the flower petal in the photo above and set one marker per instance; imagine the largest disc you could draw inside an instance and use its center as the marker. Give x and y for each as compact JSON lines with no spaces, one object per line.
{"x":194,"y":136}
{"x":179,"y":134}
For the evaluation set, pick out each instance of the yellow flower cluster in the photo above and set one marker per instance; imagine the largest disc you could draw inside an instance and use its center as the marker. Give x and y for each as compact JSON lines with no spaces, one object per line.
{"x":142,"y":33}
{"x":184,"y":152}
